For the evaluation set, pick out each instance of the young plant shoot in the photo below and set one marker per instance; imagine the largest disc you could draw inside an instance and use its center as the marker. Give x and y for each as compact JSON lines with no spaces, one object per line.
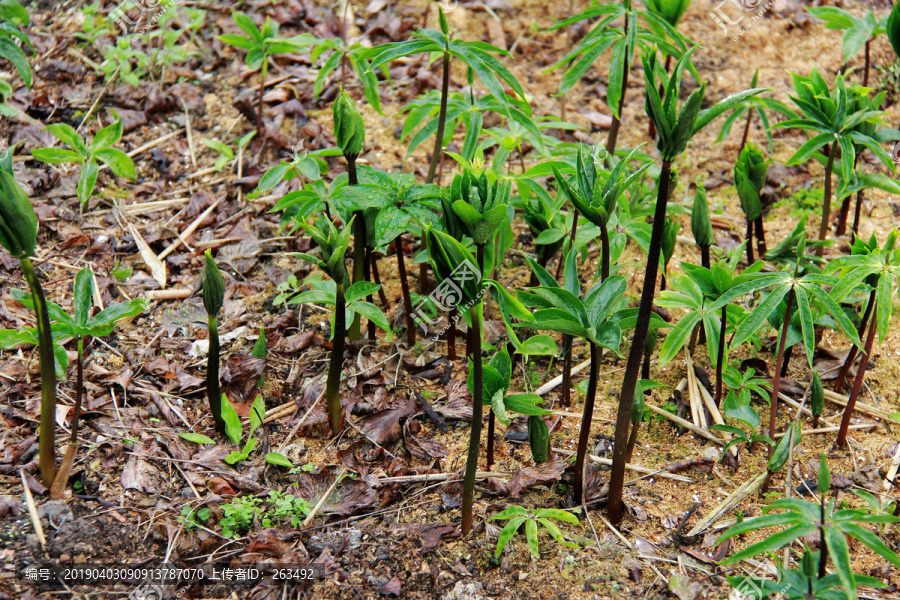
{"x":701,"y":225}
{"x":213,"y":297}
{"x":750,"y":172}
{"x":18,"y":235}
{"x":350,"y":132}
{"x":675,"y":128}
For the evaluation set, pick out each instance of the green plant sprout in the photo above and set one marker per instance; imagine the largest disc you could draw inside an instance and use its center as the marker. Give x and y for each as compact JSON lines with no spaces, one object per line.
{"x":750,"y":172}
{"x":333,"y":245}
{"x":100,"y":149}
{"x":675,"y":128}
{"x":478,"y":56}
{"x":804,"y":518}
{"x":213,"y":293}
{"x":260,"y":44}
{"x":18,"y":235}
{"x":516,"y":516}
{"x":858,"y":31}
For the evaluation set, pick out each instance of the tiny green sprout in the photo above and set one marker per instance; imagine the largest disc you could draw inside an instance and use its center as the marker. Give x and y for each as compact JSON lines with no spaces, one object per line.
{"x":516,"y":516}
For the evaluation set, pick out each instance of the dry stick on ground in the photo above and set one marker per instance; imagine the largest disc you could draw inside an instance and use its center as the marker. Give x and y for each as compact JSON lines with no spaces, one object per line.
{"x":189,"y":230}
{"x":32,"y":512}
{"x":686,"y":424}
{"x":324,"y":497}
{"x":630,"y":466}
{"x":746,"y":489}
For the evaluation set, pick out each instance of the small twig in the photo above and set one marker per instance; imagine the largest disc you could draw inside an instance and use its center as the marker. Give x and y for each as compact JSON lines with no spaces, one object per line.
{"x":324,"y":497}
{"x":32,"y":512}
{"x":300,"y":423}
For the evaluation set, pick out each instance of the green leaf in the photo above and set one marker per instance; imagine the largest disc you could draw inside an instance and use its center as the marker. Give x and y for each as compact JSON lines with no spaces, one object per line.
{"x":87,"y":181}
{"x":109,"y":135}
{"x":531,"y":537}
{"x":360,"y":290}
{"x":508,"y":532}
{"x":68,"y":136}
{"x":498,"y":407}
{"x":279,"y":460}
{"x":197,"y":438}
{"x":232,"y":421}
{"x":512,"y":511}
{"x":373,"y":313}
{"x":117,"y":161}
{"x":525,"y":404}
{"x":10,"y":51}
{"x":839,"y":553}
{"x":538,"y":345}
{"x":83,"y":293}
{"x":257,"y":414}
{"x":871,"y":540}
{"x":773,"y":542}
{"x":54,"y":156}
{"x":238,"y":41}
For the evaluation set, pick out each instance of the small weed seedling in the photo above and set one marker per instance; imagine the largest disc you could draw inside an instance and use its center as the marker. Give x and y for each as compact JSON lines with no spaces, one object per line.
{"x":516,"y":516}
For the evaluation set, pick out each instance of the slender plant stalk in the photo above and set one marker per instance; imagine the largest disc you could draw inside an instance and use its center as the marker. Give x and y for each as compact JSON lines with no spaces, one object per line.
{"x":376,"y":277}
{"x":823,"y":549}
{"x":632,"y":438}
{"x":259,"y":102}
{"x":490,"y":432}
{"x":451,"y":333}
{"x":845,"y":208}
{"x":585,"y":434}
{"x":423,"y":268}
{"x":720,"y":359}
{"x":855,"y":230}
{"x":760,"y":234}
{"x":65,"y":469}
{"x":468,"y":498}
{"x":746,"y":135}
{"x":776,"y":381}
{"x":566,"y":398}
{"x":404,"y":286}
{"x":749,"y":242}
{"x":332,"y":386}
{"x":614,"y":128}
{"x":604,"y":248}
{"x":826,"y":200}
{"x":857,"y":384}
{"x":704,"y":256}
{"x":851,"y":355}
{"x":562,"y":251}
{"x":46,"y":445}
{"x":645,"y":370}
{"x":788,"y":352}
{"x":213,"y":394}
{"x":442,"y":116}
{"x":367,"y":265}
{"x":359,"y":249}
{"x":635,"y":356}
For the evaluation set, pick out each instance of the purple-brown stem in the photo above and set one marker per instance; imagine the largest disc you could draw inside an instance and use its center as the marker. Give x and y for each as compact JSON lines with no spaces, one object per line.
{"x":585,"y":434}
{"x":720,"y":359}
{"x":851,"y":355}
{"x":407,"y":300}
{"x":857,"y":384}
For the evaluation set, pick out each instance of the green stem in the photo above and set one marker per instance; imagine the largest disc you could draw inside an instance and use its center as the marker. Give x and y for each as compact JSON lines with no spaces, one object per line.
{"x":851,"y":355}
{"x":823,"y":549}
{"x":442,"y":117}
{"x":857,"y":383}
{"x":720,"y":359}
{"x":332,"y":386}
{"x":632,"y":439}
{"x":46,"y":448}
{"x":468,"y":498}
{"x":212,"y":377}
{"x":635,"y":356}
{"x":585,"y":433}
{"x":776,"y":380}
{"x":826,"y":199}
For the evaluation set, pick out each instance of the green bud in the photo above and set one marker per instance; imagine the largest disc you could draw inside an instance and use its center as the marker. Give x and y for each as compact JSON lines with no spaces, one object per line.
{"x":213,"y":287}
{"x":816,"y":395}
{"x":538,"y":439}
{"x":824,"y":480}
{"x":893,"y":29}
{"x":480,"y":202}
{"x":701,"y":226}
{"x":18,"y":223}
{"x":754,"y":166}
{"x":349,"y":128}
{"x":782,"y":450}
{"x":670,"y":10}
